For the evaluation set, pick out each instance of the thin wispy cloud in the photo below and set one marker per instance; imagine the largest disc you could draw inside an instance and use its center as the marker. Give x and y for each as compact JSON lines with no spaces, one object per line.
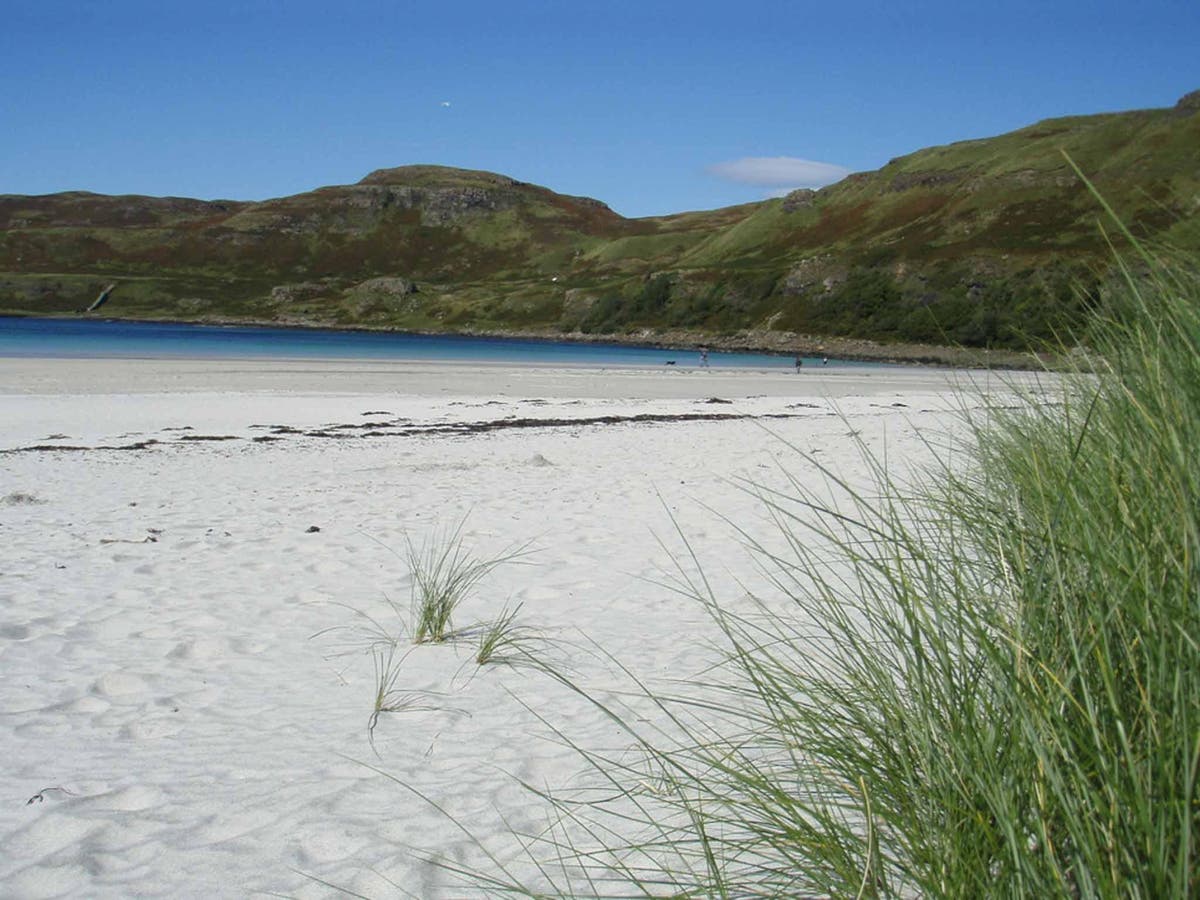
{"x":779,"y":174}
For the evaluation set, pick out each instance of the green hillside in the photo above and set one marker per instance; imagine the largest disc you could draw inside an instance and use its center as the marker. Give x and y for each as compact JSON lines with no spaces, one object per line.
{"x":990,"y":242}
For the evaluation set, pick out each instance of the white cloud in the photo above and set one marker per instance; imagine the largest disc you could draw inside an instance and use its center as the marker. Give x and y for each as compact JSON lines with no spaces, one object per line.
{"x":780,"y":173}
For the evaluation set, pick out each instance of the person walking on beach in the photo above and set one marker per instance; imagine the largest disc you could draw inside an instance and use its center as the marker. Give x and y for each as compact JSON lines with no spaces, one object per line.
{"x":704,"y":357}
{"x":799,"y":363}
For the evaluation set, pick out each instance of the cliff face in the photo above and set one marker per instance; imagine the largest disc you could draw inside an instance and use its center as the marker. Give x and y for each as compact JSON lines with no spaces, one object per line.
{"x":987,"y":241}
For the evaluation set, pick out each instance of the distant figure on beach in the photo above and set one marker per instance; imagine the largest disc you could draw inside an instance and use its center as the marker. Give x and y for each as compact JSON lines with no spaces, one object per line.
{"x":824,"y":360}
{"x":101,"y":300}
{"x":704,"y":357}
{"x":799,"y":363}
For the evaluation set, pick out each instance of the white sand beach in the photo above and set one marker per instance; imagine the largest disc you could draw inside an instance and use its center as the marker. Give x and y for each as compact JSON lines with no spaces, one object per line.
{"x":178,"y":539}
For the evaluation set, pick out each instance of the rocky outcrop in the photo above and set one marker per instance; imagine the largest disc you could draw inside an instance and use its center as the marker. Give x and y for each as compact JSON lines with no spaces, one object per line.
{"x":906,"y":181}
{"x":445,"y":207}
{"x":445,"y":194}
{"x":577,"y":303}
{"x":390,"y":287}
{"x":802,"y":198}
{"x":1188,"y":103}
{"x":389,"y":295}
{"x":593,"y":203}
{"x":360,"y":207}
{"x":295,"y":293}
{"x":1024,"y":179}
{"x":813,"y":275}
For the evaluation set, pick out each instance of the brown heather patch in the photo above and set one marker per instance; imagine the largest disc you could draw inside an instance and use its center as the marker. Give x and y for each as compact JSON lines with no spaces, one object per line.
{"x":835,"y":225}
{"x":914,"y":206}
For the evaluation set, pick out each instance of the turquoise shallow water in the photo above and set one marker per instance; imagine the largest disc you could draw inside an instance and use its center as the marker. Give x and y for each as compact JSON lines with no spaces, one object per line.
{"x":83,"y":338}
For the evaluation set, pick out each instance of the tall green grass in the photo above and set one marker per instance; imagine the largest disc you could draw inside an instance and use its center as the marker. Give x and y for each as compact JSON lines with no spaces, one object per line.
{"x":444,"y":573}
{"x":988,"y":687}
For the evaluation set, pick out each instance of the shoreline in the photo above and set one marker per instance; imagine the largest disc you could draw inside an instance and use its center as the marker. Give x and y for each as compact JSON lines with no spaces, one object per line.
{"x":71,"y":376}
{"x":768,"y":342}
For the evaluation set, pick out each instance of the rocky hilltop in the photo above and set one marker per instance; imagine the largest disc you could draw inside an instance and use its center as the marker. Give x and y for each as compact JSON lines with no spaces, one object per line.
{"x":990,"y":242}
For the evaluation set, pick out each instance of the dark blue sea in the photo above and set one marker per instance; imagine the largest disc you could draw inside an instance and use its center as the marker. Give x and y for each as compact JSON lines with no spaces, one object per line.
{"x":84,"y":338}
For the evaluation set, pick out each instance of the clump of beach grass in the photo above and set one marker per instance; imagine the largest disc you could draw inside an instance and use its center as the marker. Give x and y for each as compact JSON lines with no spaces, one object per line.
{"x":444,"y":573}
{"x":507,"y":641}
{"x":388,"y":696}
{"x":981,"y":683}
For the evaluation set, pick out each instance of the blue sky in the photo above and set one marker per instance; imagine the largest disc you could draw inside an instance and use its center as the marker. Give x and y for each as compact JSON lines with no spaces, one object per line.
{"x":652,"y":107}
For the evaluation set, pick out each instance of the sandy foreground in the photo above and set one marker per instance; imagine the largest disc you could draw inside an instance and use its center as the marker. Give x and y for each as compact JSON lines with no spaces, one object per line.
{"x":186,"y":549}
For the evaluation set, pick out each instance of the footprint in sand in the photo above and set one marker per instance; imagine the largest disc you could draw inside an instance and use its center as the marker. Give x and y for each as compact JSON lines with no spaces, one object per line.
{"x":326,"y":567}
{"x":199,"y":650}
{"x":149,"y":730}
{"x":89,"y":705}
{"x":132,"y":843}
{"x":130,"y":799}
{"x":225,"y":828}
{"x":537,"y":593}
{"x":119,"y":685}
{"x":326,"y":845}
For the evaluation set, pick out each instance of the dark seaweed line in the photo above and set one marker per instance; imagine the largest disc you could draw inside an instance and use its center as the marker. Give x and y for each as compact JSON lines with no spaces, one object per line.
{"x":641,"y":418}
{"x":74,"y":448}
{"x":451,"y":428}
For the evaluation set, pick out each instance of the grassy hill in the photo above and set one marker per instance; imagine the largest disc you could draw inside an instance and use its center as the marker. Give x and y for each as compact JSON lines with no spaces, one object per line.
{"x":990,"y":242}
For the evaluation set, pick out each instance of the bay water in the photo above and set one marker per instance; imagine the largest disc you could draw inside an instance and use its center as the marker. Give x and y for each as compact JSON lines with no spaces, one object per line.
{"x":112,"y":338}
